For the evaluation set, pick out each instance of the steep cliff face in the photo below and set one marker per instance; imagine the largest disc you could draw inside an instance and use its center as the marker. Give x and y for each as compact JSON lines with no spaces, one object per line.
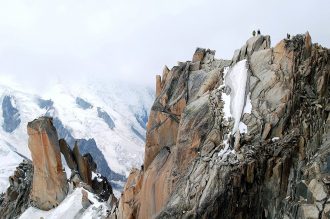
{"x":276,"y":164}
{"x":49,"y":186}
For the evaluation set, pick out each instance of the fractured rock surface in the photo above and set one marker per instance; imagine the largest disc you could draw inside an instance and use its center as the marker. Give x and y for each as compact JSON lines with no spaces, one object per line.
{"x":281,"y":166}
{"x":17,"y":197}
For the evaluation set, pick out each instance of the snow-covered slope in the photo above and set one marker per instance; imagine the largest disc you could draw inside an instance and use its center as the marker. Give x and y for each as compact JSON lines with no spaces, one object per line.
{"x":9,"y":162}
{"x":109,"y":119}
{"x":70,"y":208}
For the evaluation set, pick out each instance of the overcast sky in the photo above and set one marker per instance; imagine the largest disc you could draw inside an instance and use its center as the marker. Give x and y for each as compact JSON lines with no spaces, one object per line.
{"x":68,"y":40}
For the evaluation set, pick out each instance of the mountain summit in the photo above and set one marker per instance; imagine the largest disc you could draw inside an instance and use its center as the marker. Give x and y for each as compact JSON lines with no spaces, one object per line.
{"x":241,"y":138}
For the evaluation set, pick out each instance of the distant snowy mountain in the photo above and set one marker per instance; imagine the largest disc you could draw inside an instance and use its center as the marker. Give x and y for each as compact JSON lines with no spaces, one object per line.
{"x":107,"y":119}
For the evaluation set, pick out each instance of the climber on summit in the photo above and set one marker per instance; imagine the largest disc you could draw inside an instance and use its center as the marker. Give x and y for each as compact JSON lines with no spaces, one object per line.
{"x":258,"y":32}
{"x":253,"y":33}
{"x":288,"y":36}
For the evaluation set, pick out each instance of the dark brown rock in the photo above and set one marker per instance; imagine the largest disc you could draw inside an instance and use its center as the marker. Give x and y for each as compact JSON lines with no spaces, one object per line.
{"x":84,"y":168}
{"x":199,"y":55}
{"x":68,"y":155}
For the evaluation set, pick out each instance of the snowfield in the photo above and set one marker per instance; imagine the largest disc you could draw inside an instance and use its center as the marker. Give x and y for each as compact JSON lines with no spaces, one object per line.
{"x":9,"y":162}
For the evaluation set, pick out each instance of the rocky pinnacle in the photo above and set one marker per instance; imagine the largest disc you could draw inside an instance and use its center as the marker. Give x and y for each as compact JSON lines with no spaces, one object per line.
{"x":49,"y":185}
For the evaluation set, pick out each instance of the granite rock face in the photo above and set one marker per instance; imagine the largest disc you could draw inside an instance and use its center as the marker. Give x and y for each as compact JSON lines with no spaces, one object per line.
{"x":84,"y":169}
{"x":17,"y":197}
{"x":49,"y":185}
{"x":280,"y":166}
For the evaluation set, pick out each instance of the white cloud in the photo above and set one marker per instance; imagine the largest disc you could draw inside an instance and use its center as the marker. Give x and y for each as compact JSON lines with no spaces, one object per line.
{"x":133,"y":40}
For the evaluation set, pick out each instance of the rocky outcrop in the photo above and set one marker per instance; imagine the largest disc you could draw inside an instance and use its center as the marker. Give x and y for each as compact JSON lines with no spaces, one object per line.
{"x":83,"y":103}
{"x":102,"y":187}
{"x":49,"y":185}
{"x":82,"y":167}
{"x":16,"y":199}
{"x":10,"y":115}
{"x":43,"y":183}
{"x":85,"y":202}
{"x":68,"y":155}
{"x":106,"y":117}
{"x":280,"y":167}
{"x":88,"y":146}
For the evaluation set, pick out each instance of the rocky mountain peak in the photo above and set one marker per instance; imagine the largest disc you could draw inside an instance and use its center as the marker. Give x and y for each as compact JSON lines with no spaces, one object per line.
{"x":274,"y":164}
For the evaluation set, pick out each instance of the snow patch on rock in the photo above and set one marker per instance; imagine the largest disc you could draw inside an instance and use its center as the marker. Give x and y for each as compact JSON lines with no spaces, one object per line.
{"x":236,"y":79}
{"x":70,"y":208}
{"x":236,"y":102}
{"x":248,"y":105}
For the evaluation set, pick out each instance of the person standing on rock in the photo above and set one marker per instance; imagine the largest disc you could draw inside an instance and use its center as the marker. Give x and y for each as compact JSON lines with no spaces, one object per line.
{"x":258,"y":32}
{"x":254,"y":33}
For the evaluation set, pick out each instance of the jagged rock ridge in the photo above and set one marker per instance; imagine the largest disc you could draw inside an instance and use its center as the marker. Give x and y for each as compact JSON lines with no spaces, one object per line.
{"x":280,"y":166}
{"x":17,"y":198}
{"x":44,"y":184}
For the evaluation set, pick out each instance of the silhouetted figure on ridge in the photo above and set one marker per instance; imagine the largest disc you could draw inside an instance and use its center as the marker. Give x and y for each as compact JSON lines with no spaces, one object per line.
{"x":253,"y":33}
{"x":258,"y":32}
{"x":288,"y":36}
